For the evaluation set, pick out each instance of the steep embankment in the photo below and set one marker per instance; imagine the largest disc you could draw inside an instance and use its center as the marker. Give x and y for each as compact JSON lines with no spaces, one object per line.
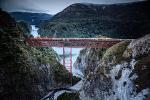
{"x":26,"y":73}
{"x":130,"y":20}
{"x":118,"y":73}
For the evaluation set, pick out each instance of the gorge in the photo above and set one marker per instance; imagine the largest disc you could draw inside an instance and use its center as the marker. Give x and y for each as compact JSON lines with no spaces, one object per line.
{"x":120,"y":72}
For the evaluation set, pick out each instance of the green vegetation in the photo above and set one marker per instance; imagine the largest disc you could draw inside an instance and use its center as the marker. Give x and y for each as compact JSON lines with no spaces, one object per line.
{"x":26,"y":28}
{"x":69,"y":96}
{"x":30,"y":17}
{"x":84,"y":21}
{"x":115,"y":52}
{"x":48,"y":54}
{"x":61,"y":75}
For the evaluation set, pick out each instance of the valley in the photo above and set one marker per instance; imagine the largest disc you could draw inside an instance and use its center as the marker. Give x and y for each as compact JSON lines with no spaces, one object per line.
{"x":118,"y":72}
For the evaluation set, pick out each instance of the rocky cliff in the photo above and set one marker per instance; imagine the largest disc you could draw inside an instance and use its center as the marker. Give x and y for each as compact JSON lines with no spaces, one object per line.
{"x":129,"y":20}
{"x":26,"y":73}
{"x":119,"y":73}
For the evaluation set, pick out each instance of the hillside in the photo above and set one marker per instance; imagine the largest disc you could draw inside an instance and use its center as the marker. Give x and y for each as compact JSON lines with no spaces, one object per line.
{"x":31,"y":18}
{"x":26,"y":28}
{"x":26,"y":73}
{"x":129,"y":20}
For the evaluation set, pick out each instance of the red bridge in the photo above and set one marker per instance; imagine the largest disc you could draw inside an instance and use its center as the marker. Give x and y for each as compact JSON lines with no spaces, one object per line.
{"x":73,"y":43}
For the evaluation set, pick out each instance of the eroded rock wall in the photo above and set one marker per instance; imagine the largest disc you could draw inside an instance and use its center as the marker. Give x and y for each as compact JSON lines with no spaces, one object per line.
{"x":120,"y":73}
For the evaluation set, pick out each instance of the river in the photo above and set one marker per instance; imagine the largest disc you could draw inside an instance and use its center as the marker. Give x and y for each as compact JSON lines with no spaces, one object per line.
{"x":75,"y":53}
{"x":59,"y":51}
{"x":34,"y":31}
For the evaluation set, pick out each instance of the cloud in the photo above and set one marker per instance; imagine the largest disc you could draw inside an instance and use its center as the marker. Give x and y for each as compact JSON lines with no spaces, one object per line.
{"x":48,"y":6}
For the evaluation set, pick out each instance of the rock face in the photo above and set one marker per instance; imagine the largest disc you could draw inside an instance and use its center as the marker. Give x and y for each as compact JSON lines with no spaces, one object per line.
{"x":128,"y":20}
{"x":120,"y":73}
{"x":88,"y":60}
{"x":137,"y":49}
{"x":26,"y":73}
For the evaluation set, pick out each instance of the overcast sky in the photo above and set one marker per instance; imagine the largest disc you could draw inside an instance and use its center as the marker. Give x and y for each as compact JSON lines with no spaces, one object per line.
{"x":49,"y":6}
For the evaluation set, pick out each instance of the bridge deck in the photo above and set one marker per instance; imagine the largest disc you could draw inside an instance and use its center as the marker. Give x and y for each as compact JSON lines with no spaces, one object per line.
{"x":74,"y":42}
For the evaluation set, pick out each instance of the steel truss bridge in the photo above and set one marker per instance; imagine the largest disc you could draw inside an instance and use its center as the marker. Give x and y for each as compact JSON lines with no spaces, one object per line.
{"x":73,"y":43}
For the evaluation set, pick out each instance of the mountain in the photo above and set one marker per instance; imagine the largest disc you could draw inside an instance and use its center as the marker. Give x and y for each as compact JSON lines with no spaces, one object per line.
{"x":124,"y":20}
{"x":31,"y":18}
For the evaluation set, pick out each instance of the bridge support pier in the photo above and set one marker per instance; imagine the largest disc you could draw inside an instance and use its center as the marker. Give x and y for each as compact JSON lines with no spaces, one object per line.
{"x":64,"y":56}
{"x":68,"y":63}
{"x":71,"y":65}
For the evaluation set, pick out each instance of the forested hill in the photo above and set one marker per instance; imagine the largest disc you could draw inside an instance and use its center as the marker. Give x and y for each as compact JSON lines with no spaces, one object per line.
{"x":31,"y":18}
{"x":126,"y":20}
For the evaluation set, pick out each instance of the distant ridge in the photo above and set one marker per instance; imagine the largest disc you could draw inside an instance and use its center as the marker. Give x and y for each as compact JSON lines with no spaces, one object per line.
{"x":123,"y":20}
{"x":31,"y":18}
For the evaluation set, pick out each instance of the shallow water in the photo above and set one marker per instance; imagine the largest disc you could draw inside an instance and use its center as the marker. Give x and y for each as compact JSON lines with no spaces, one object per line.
{"x":75,"y":54}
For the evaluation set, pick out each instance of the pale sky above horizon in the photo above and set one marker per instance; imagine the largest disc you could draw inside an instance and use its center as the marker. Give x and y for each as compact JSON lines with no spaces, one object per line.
{"x":49,"y":6}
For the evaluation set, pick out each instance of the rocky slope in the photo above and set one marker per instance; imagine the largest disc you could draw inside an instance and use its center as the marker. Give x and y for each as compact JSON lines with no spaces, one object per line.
{"x":129,"y":20}
{"x":88,"y":60}
{"x":118,"y":73}
{"x":26,"y":73}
